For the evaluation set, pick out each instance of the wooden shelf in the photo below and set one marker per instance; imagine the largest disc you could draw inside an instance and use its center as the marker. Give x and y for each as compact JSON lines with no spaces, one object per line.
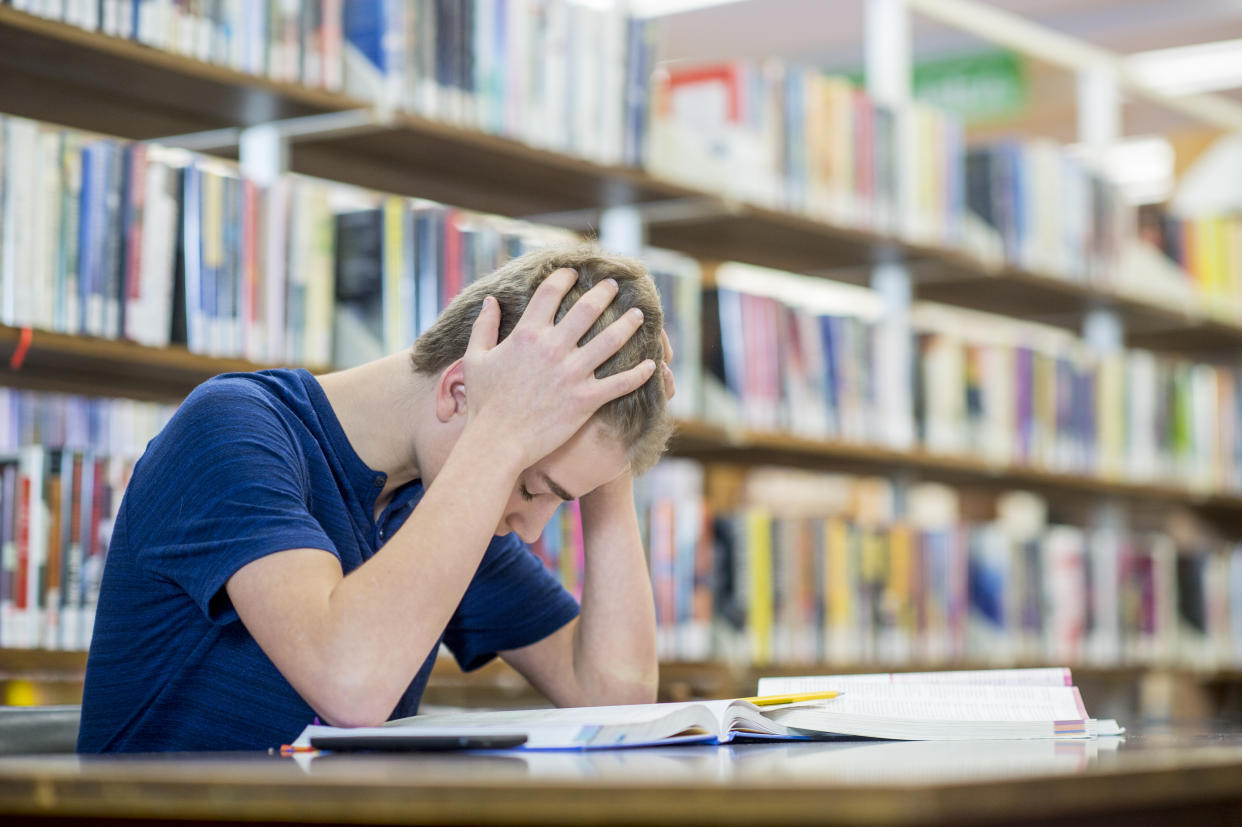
{"x":704,"y":441}
{"x":108,"y":367}
{"x":42,"y":665}
{"x":79,"y":364}
{"x":59,"y":73}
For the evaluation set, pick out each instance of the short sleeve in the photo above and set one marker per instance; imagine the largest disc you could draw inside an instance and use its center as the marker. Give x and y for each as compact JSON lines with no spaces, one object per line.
{"x":224,"y":484}
{"x":513,"y":601}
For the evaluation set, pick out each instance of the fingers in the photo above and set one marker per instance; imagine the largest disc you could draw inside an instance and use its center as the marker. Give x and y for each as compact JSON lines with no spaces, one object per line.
{"x":587,"y":309}
{"x":541,"y":309}
{"x":486,"y":327}
{"x":619,"y":384}
{"x":597,"y":351}
{"x":668,"y":347}
{"x":670,"y":384}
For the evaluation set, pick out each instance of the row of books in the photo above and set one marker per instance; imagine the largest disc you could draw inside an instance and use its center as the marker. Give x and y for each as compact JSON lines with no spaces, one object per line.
{"x":128,"y":240}
{"x":1052,"y":214}
{"x":298,"y":42}
{"x":1126,"y":416}
{"x":64,"y":465}
{"x":780,"y":135}
{"x":1207,"y":252}
{"x":1011,"y":393}
{"x":399,"y":262}
{"x":568,"y":75}
{"x":793,"y":138}
{"x":808,"y":569}
{"x":155,"y":245}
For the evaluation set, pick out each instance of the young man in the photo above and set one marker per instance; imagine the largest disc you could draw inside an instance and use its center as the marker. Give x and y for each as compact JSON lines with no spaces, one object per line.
{"x":292,"y":546}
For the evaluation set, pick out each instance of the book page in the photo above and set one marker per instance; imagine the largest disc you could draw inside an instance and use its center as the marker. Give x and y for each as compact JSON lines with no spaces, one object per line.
{"x":1057,"y":676}
{"x":929,"y":702}
{"x":572,"y":727}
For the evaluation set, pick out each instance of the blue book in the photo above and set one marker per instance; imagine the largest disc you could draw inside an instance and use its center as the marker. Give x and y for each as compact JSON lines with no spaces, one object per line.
{"x":429,"y":224}
{"x":193,"y":258}
{"x":373,"y":55}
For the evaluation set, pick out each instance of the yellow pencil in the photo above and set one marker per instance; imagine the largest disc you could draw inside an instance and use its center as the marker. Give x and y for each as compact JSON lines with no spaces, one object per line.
{"x":773,"y":700}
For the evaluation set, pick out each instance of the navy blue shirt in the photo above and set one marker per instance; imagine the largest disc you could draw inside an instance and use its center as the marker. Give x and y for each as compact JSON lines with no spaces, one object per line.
{"x":251,"y":464}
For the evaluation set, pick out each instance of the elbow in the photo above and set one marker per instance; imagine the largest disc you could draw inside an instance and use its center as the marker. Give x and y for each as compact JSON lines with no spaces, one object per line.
{"x":346,"y":701}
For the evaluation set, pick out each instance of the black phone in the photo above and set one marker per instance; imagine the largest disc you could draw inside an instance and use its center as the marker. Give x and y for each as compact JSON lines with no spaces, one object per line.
{"x":345,"y":742}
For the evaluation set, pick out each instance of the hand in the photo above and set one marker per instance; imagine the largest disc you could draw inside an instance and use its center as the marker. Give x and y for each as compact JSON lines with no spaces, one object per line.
{"x":537,"y":388}
{"x":670,"y":386}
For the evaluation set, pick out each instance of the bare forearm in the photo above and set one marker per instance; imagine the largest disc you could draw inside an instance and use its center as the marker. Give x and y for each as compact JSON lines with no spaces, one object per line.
{"x":614,"y":649}
{"x":383,"y":619}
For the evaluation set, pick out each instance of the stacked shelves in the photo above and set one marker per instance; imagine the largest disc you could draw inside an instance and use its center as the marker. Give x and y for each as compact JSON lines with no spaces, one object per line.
{"x":104,"y":84}
{"x":87,"y":80}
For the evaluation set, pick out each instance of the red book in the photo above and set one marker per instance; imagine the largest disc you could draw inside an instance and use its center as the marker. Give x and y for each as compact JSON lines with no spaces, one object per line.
{"x":137,"y":202}
{"x":250,"y":265}
{"x":452,"y":276}
{"x":22,"y":576}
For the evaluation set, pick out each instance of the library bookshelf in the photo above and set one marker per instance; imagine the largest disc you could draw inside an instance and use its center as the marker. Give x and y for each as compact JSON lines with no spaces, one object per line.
{"x":95,"y":82}
{"x":92,"y":366}
{"x":61,"y":74}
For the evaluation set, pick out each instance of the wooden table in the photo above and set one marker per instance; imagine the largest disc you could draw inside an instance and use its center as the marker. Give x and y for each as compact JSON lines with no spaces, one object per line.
{"x":1183,"y":775}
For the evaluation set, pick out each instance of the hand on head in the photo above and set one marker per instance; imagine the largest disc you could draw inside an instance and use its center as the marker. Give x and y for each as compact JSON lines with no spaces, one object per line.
{"x":537,"y":388}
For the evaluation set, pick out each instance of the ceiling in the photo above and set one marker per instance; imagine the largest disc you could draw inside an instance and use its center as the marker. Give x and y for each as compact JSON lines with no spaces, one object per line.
{"x":828,"y":33}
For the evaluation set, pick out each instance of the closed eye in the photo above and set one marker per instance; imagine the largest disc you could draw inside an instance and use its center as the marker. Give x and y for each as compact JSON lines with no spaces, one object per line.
{"x":525,"y":492}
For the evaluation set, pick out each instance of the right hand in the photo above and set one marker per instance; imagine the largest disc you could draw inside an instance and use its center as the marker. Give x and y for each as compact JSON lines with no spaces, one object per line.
{"x":537,"y":388}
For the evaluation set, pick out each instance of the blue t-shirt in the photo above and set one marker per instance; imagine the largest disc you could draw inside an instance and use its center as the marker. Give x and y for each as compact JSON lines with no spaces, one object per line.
{"x":252,"y":464}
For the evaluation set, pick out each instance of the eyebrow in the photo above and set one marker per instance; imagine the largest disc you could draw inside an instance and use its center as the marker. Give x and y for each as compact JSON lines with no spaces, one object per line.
{"x":556,"y":489}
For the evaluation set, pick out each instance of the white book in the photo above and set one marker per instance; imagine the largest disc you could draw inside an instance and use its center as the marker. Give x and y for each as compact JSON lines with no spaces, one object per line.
{"x":927,"y":711}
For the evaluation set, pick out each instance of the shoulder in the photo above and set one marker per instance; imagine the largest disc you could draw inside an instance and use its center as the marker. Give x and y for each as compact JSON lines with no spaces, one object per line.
{"x":235,"y":415}
{"x":256,"y":400}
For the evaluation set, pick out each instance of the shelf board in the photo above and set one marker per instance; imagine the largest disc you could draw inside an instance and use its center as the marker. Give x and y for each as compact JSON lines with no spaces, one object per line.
{"x":107,"y":367}
{"x":42,"y":665}
{"x":710,"y":442}
{"x":59,"y":73}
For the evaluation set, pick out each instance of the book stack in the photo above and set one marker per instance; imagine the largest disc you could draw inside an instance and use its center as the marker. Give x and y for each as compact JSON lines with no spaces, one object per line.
{"x":116,"y":239}
{"x":64,"y":464}
{"x":1028,"y":396}
{"x":1053,"y":215}
{"x":1207,"y":252}
{"x":793,"y":138}
{"x":809,"y":568}
{"x":295,"y":42}
{"x":567,"y":75}
{"x":159,"y":246}
{"x":400,"y":261}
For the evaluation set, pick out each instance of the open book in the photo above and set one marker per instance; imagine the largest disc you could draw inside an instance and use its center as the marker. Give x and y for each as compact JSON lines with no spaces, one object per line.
{"x":987,"y":704}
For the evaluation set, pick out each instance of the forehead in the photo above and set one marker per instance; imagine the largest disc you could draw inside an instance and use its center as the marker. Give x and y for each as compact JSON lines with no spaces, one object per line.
{"x":588,"y":460}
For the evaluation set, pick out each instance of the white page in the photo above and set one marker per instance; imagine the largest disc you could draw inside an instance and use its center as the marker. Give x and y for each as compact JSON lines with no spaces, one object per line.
{"x":1056,"y":676}
{"x":926,"y":702}
{"x":564,"y":728}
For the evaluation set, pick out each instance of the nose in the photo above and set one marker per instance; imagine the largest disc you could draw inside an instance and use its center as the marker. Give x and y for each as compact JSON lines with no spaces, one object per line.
{"x":528,"y":520}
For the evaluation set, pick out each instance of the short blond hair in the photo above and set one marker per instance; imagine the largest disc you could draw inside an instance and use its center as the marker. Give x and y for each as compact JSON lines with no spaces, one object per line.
{"x":640,"y":420}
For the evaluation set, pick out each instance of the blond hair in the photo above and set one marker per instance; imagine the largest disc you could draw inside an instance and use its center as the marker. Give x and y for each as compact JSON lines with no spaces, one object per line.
{"x":639,"y":420}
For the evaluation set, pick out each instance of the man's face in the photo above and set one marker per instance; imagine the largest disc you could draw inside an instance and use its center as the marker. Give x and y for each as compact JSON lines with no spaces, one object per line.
{"x":587,"y":461}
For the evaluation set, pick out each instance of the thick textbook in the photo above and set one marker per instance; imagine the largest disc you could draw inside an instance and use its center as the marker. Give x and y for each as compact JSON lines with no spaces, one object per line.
{"x":984,"y":705}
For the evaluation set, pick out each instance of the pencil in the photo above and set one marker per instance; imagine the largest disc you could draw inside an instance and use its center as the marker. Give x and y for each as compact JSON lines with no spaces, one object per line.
{"x":773,"y":700}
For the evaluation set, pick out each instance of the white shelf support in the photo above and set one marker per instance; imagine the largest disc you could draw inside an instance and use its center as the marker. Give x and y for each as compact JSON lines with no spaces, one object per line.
{"x":1099,"y":114}
{"x":887,"y":42}
{"x":264,"y":153}
{"x":621,"y":230}
{"x":890,"y":279}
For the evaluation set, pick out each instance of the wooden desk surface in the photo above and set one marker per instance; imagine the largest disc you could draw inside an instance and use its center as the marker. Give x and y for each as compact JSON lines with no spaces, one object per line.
{"x":1183,"y":774}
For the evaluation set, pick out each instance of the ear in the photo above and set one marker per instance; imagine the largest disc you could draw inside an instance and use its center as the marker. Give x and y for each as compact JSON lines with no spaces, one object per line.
{"x":451,"y":392}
